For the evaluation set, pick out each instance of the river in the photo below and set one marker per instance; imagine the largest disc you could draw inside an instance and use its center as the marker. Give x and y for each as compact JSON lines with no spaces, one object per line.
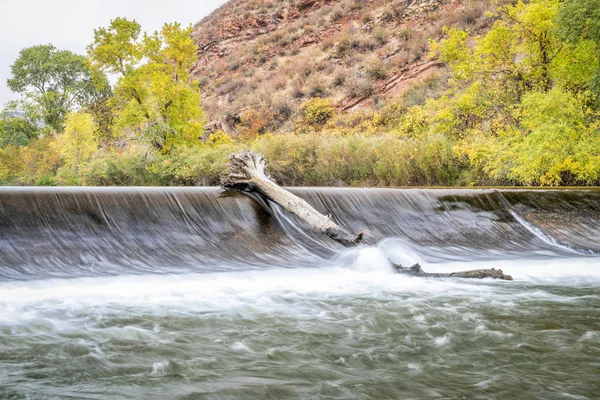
{"x":194,"y":294}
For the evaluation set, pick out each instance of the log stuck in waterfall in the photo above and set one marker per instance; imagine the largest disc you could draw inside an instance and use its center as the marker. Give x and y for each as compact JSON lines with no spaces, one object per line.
{"x":247,"y":172}
{"x":416,"y":270}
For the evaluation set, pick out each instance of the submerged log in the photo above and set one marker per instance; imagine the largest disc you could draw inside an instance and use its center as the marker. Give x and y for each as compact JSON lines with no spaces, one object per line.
{"x":247,"y":172}
{"x":416,"y":270}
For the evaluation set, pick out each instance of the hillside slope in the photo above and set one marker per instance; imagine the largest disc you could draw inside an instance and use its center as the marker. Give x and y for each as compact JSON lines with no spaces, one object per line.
{"x":260,"y":60}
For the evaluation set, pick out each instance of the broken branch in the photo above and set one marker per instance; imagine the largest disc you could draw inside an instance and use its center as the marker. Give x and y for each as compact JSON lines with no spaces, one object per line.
{"x":416,"y":270}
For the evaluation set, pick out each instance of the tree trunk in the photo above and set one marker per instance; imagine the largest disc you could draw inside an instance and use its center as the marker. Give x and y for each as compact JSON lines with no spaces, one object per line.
{"x":416,"y":270}
{"x":247,"y":172}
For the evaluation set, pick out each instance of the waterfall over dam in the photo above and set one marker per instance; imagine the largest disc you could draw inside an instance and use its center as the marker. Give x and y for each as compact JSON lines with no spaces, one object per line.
{"x":98,"y":232}
{"x":193,"y":293}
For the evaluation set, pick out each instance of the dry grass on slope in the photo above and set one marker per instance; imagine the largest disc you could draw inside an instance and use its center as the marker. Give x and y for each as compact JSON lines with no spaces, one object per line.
{"x":266,"y":57}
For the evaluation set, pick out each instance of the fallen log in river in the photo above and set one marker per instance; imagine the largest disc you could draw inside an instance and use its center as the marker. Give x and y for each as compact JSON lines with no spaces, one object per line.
{"x":247,"y":172}
{"x":416,"y":270}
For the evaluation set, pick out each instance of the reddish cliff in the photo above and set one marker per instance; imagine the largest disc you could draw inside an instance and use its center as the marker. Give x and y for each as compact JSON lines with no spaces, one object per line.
{"x":270,"y":56}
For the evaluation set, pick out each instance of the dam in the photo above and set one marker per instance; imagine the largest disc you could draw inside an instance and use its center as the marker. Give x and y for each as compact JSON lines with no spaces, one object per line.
{"x":199,"y":293}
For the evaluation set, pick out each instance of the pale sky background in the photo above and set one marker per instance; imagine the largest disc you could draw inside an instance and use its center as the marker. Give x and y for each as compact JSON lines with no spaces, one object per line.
{"x":69,"y":24}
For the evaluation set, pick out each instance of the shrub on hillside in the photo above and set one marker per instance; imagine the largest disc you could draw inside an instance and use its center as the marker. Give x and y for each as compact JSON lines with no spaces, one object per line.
{"x":360,"y":86}
{"x":336,"y":14}
{"x":317,"y":112}
{"x":339,"y":78}
{"x":316,"y":86}
{"x":376,"y":68}
{"x":255,"y":122}
{"x":381,"y":35}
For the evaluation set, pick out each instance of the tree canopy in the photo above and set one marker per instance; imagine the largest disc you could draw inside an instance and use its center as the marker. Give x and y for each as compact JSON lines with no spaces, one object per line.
{"x":155,"y":102}
{"x":522,"y":102}
{"x":579,"y":21}
{"x":53,"y":82}
{"x":79,"y":140}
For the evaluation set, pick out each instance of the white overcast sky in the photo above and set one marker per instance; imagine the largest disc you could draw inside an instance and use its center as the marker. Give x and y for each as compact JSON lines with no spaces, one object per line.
{"x":69,"y":24}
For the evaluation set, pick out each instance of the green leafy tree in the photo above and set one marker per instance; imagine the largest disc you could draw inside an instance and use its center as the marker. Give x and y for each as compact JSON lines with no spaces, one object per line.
{"x":520,"y":105}
{"x":116,"y":49}
{"x":53,"y":82}
{"x":154,"y":100}
{"x":579,"y":21}
{"x":40,"y":161}
{"x":549,"y":153}
{"x":11,"y":164}
{"x":104,"y":117}
{"x":15,"y":128}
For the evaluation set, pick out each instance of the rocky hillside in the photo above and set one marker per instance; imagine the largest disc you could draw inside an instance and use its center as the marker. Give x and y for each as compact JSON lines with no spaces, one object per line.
{"x":260,"y":60}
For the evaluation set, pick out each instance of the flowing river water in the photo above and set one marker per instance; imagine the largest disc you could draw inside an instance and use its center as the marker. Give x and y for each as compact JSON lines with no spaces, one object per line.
{"x":196,"y":294}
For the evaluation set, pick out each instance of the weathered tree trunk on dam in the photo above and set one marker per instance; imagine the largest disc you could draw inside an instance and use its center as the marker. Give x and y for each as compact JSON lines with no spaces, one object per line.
{"x":247,"y":172}
{"x":416,"y":270}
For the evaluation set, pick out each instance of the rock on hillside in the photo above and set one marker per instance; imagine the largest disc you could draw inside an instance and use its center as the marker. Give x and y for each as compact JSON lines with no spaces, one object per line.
{"x":260,"y":60}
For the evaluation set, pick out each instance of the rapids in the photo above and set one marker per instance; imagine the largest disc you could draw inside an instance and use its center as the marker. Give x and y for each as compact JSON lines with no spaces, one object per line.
{"x":195,"y":294}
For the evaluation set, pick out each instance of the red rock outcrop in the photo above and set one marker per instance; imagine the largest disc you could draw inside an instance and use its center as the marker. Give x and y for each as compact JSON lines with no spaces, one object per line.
{"x":221,"y":38}
{"x":269,"y":54}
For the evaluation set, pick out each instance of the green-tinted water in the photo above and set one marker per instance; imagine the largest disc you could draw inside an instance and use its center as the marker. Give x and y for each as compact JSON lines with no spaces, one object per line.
{"x":135,"y":293}
{"x":335,"y":333}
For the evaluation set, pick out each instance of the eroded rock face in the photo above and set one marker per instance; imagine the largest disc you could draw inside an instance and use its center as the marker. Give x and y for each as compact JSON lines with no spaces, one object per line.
{"x":235,"y":23}
{"x":222,"y":33}
{"x":251,"y":52}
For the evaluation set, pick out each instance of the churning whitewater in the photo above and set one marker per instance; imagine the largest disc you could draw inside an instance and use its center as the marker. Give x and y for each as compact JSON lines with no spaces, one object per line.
{"x":199,"y":294}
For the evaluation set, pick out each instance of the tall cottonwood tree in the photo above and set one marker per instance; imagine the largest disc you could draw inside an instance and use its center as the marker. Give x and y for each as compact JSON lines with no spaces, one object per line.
{"x":155,"y":101}
{"x":517,"y":54}
{"x":52,"y":83}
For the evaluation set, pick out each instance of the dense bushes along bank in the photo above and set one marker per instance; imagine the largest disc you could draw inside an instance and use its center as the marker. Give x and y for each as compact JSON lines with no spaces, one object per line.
{"x":316,"y":159}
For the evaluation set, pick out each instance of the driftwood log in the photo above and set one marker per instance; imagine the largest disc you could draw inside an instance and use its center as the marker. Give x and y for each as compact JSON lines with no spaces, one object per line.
{"x":246,"y":171}
{"x":416,"y":270}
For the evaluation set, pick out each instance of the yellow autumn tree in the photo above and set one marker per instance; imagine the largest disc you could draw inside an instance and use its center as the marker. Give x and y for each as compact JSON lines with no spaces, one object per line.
{"x":78,"y":142}
{"x":155,"y":101}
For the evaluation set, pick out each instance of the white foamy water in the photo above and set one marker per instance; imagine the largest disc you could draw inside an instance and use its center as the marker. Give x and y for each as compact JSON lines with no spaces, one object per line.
{"x":368,"y":273}
{"x":352,"y":329}
{"x":185,"y":293}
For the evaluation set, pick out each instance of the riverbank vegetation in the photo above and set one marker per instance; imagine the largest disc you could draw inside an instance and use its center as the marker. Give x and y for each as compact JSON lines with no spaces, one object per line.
{"x":518,"y":105}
